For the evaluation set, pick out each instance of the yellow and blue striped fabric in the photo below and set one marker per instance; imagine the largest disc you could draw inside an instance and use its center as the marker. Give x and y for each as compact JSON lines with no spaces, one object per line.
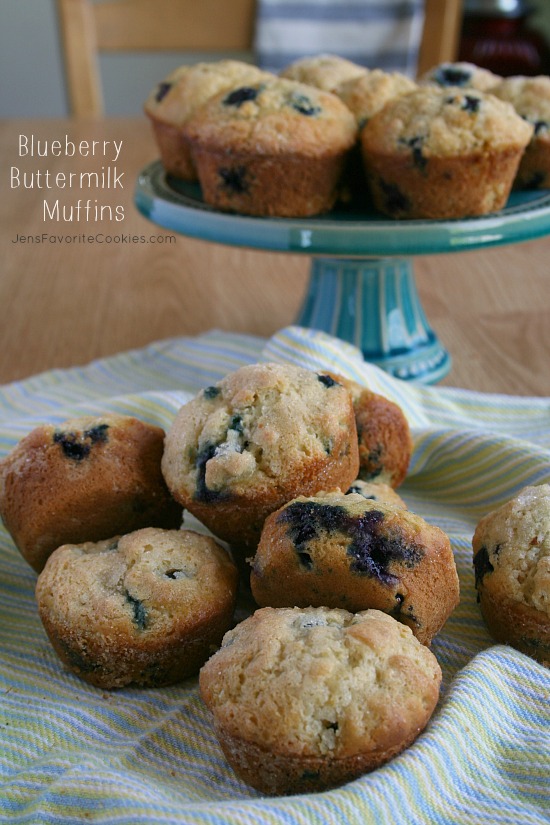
{"x":71,"y":753}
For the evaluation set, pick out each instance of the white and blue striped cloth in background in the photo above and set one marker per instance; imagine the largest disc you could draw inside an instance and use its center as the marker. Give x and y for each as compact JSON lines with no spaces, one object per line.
{"x":383,"y":34}
{"x":72,"y":753}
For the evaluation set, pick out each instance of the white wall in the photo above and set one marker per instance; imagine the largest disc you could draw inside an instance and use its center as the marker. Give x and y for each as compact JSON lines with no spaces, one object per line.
{"x":31,"y":68}
{"x":31,"y":75}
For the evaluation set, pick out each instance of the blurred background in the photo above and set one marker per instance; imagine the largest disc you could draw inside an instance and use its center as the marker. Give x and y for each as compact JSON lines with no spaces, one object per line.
{"x":31,"y":64}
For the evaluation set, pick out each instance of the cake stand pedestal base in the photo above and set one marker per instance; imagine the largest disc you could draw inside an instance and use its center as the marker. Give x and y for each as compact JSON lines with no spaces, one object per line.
{"x":373,"y":303}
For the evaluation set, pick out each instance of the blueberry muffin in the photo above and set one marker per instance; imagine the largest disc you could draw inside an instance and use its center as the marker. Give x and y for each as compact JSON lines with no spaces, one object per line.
{"x":443,"y":153}
{"x":87,"y":479}
{"x":272,"y":148}
{"x":364,"y":95}
{"x":324,"y":71}
{"x":353,"y":553}
{"x":530,"y":97}
{"x":376,"y":491}
{"x":512,"y":572}
{"x":258,"y":438}
{"x":462,"y":75}
{"x":145,"y":609}
{"x":384,"y":436}
{"x":307,"y":699}
{"x":369,"y":92}
{"x":172,"y":102}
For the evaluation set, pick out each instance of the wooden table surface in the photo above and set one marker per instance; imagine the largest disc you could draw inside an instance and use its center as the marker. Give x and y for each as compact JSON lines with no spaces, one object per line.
{"x":64,"y":303}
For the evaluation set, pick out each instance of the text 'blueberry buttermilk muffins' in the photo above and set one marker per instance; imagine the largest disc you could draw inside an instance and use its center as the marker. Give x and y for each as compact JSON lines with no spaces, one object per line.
{"x":462,"y":75}
{"x":512,"y":572}
{"x":172,"y":102}
{"x":349,"y":552}
{"x":264,"y":434}
{"x":443,"y":153}
{"x":530,"y":97}
{"x":87,"y":479}
{"x":274,"y":147}
{"x":144,"y":609}
{"x":307,"y":699}
{"x":324,"y":71}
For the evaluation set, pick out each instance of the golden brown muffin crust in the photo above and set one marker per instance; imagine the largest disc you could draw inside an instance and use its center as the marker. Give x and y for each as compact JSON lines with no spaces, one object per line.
{"x":511,"y":548}
{"x":147,"y":608}
{"x":306,"y":699}
{"x":242,"y":447}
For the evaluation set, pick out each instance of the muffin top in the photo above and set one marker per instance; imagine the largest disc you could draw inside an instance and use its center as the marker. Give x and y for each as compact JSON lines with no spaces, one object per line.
{"x":512,"y":549}
{"x":530,"y":97}
{"x":376,"y":491}
{"x":78,"y":441}
{"x":369,"y":92}
{"x":258,"y":425}
{"x":445,"y":122}
{"x":136,"y":584}
{"x":325,"y":71}
{"x":274,"y":116}
{"x":462,"y":74}
{"x":188,"y":87}
{"x":321,"y":682}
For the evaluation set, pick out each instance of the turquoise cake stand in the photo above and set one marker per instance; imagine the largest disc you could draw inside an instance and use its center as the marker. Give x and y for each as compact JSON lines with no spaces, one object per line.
{"x":362,"y":287}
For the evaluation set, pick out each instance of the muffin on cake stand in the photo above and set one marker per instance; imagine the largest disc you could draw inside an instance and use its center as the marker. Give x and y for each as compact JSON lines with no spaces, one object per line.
{"x":362,"y":287}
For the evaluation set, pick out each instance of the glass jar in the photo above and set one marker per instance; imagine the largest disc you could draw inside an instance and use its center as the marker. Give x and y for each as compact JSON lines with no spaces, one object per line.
{"x":496,"y":35}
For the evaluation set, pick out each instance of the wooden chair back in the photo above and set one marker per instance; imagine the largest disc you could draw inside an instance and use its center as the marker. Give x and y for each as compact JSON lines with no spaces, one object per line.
{"x":441,"y":35}
{"x":89,"y":28}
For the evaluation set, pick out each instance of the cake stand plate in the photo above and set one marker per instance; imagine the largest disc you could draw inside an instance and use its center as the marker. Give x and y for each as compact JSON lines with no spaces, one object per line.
{"x":362,"y":287}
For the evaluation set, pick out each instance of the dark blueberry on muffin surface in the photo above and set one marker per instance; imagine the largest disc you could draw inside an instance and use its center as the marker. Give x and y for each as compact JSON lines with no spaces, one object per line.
{"x":419,"y":160}
{"x":482,"y":565}
{"x":139,"y":612}
{"x":535,"y":181}
{"x":306,"y":519}
{"x":357,"y":490}
{"x":303,"y":105}
{"x":72,"y":446}
{"x":452,"y":76}
{"x":305,"y":560}
{"x":395,"y":200}
{"x":471,"y":103}
{"x":237,"y":424}
{"x":211,"y":392}
{"x":78,"y":446}
{"x":373,"y":552}
{"x":97,"y":434}
{"x":327,"y":380}
{"x":240,"y":96}
{"x":162,"y":90}
{"x":233,"y":179}
{"x":202,"y":492}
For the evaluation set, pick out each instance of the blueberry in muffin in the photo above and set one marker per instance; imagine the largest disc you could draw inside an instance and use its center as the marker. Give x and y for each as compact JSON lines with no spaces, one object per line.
{"x":147,"y":608}
{"x":264,"y":434}
{"x":347,"y":551}
{"x":511,"y":547}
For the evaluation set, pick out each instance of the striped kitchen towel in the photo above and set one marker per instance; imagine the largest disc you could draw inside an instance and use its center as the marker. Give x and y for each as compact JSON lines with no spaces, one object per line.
{"x":382,"y":34}
{"x":71,"y":753}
